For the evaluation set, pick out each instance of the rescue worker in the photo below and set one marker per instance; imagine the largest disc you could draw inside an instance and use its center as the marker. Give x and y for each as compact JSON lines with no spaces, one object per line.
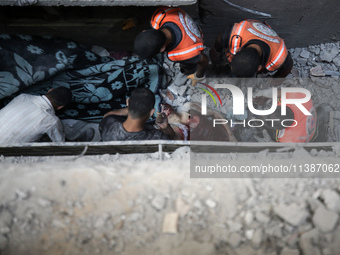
{"x":174,"y":32}
{"x":251,"y":47}
{"x":295,"y":126}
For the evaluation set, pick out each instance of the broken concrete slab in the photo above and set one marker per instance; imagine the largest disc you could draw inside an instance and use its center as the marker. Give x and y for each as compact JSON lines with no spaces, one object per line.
{"x":308,"y":243}
{"x":329,"y":53}
{"x":170,"y":223}
{"x":324,"y":219}
{"x":257,"y":238}
{"x":304,"y":53}
{"x":293,"y":214}
{"x":234,"y":240}
{"x":331,"y":199}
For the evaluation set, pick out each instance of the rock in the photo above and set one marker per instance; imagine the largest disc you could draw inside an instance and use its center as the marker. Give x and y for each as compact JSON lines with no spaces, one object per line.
{"x":181,"y":90}
{"x":327,"y":251}
{"x":181,"y":207}
{"x":329,"y":53}
{"x":44,"y":202}
{"x":292,"y":214}
{"x":5,"y":219}
{"x":262,"y":218}
{"x":324,"y":219}
{"x":170,"y":223}
{"x":336,"y":60}
{"x":119,"y":246}
{"x":22,"y":194}
{"x":250,"y":234}
{"x":296,"y":53}
{"x":257,"y":238}
{"x":158,"y":202}
{"x":5,"y":230}
{"x":304,"y":53}
{"x":331,"y":199}
{"x":306,"y":243}
{"x":287,"y":251}
{"x":58,"y":224}
{"x":248,"y":218}
{"x":211,"y":203}
{"x":234,"y":226}
{"x":234,"y":240}
{"x":3,"y":242}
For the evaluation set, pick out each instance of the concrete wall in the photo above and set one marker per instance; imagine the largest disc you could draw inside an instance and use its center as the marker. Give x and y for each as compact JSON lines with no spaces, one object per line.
{"x":299,"y":22}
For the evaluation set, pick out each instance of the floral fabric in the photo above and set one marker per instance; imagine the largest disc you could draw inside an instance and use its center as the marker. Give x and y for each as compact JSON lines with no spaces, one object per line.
{"x":34,"y":64}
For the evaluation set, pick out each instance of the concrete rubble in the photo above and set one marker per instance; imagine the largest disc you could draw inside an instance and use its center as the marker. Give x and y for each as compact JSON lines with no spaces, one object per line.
{"x":136,"y":204}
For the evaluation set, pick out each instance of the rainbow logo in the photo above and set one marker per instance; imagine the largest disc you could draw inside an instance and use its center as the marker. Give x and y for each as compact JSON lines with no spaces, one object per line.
{"x":209,"y":93}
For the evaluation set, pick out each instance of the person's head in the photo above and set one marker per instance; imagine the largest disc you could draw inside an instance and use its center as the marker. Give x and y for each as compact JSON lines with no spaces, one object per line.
{"x":149,"y":43}
{"x":246,"y":62}
{"x":274,"y":125}
{"x":59,"y":97}
{"x":141,"y":103}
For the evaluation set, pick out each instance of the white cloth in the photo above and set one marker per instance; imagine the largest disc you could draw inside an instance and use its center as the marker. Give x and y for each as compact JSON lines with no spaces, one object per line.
{"x":26,"y":118}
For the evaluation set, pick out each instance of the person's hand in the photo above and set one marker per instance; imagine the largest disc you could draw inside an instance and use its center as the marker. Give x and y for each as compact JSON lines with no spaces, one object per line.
{"x":194,"y":79}
{"x":162,"y":120}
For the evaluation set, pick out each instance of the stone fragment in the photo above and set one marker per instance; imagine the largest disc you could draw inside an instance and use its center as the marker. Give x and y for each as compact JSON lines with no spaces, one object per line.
{"x":329,"y":53}
{"x":3,"y":242}
{"x":170,"y":223}
{"x":336,"y":60}
{"x":249,"y":234}
{"x":235,"y":240}
{"x":307,"y":241}
{"x":181,"y":90}
{"x":5,"y":219}
{"x":58,"y":224}
{"x":22,"y":194}
{"x":5,"y":230}
{"x":210,"y":203}
{"x":158,"y":202}
{"x":293,"y":214}
{"x":331,"y":198}
{"x":257,"y":238}
{"x":262,"y":218}
{"x":327,"y":251}
{"x":304,"y":53}
{"x":287,"y":251}
{"x":234,"y":226}
{"x":181,"y":207}
{"x":248,"y":218}
{"x":324,"y":219}
{"x":44,"y":202}
{"x":296,"y":53}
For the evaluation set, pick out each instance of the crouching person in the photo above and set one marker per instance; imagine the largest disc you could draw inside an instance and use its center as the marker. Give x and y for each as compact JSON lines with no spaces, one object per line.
{"x":140,"y":106}
{"x":28,"y":117}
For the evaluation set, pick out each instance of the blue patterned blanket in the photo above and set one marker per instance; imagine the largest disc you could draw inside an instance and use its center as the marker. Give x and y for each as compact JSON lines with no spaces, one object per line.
{"x":34,"y":64}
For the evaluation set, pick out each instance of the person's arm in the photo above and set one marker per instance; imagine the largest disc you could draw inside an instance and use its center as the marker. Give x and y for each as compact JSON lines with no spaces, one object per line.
{"x":202,"y":66}
{"x":285,"y":68}
{"x":163,"y":124}
{"x":221,"y":43}
{"x":199,"y":75}
{"x":56,"y":132}
{"x":120,"y":112}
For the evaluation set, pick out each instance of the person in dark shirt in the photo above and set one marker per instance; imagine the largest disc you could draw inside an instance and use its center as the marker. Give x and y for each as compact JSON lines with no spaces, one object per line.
{"x":140,"y":106}
{"x":251,"y":47}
